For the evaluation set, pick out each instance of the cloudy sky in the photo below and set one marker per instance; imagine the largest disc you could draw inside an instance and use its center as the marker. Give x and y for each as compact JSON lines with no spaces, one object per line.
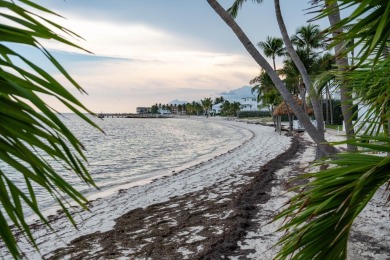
{"x":155,"y":51}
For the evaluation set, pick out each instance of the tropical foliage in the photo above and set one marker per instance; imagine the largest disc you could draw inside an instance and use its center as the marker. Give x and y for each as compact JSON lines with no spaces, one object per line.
{"x":308,"y":37}
{"x":32,"y":136}
{"x":230,"y":108}
{"x":319,"y":219}
{"x":272,"y":48}
{"x":267,"y":94}
{"x":206,"y":104}
{"x":316,"y":133}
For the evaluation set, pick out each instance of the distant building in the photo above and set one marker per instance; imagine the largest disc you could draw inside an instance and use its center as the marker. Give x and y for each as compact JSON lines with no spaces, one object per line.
{"x":216,"y":109}
{"x":246,"y":104}
{"x":164,"y":111}
{"x":175,"y":110}
{"x":249,"y":104}
{"x":143,"y":110}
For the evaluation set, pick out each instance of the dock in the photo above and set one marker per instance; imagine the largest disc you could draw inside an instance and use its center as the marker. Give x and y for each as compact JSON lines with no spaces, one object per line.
{"x":131,"y":115}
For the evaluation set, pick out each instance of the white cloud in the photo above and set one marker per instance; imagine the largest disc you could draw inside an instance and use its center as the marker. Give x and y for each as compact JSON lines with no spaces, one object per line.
{"x":121,"y":85}
{"x":155,"y":66}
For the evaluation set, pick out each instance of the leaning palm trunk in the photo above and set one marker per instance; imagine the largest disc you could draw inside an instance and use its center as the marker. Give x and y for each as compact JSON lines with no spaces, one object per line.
{"x":316,"y":135}
{"x":302,"y":70}
{"x":342,"y":63}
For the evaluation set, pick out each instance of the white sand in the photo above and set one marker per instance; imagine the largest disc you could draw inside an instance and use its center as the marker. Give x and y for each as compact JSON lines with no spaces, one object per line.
{"x":373,"y":222}
{"x":225,"y":168}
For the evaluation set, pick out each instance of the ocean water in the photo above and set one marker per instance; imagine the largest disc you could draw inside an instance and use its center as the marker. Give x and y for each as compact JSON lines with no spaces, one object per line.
{"x":134,"y":151}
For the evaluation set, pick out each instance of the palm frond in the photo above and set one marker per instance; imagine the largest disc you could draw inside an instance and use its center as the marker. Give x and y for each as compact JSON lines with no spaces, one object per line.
{"x":368,"y":27}
{"x":233,"y":10}
{"x":319,"y":219}
{"x":31,"y":131}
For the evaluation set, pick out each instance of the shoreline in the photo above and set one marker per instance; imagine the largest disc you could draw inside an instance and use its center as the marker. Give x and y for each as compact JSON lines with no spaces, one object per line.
{"x":104,"y":212}
{"x":95,"y":194}
{"x":216,"y":209}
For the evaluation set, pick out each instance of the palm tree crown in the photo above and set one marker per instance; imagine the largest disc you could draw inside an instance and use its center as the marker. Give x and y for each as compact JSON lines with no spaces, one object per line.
{"x":273,"y":47}
{"x":308,"y":37}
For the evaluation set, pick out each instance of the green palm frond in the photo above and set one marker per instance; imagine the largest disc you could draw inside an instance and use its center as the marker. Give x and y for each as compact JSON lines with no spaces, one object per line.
{"x":371,"y":83}
{"x":367,"y":27}
{"x":319,"y":219}
{"x":233,"y":10}
{"x":30,"y":130}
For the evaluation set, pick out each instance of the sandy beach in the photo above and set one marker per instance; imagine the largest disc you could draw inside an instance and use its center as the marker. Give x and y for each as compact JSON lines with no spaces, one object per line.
{"x":218,"y":209}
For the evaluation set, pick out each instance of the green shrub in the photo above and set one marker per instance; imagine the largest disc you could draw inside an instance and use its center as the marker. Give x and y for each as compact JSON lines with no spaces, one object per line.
{"x":243,"y":114}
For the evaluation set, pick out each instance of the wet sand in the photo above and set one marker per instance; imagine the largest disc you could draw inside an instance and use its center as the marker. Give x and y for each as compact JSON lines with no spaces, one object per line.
{"x":219,"y":209}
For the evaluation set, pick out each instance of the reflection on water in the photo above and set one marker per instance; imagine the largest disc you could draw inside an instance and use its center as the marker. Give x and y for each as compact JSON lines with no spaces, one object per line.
{"x":137,"y":149}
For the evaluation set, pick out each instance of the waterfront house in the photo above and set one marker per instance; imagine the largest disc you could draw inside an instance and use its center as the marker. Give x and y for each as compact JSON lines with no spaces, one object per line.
{"x":144,"y":110}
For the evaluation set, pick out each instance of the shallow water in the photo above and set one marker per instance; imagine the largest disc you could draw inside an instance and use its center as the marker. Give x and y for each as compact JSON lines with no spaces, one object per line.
{"x":133,"y":150}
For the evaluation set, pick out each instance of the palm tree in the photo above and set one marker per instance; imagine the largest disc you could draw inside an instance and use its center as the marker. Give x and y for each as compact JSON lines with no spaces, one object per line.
{"x":24,"y":127}
{"x":189,"y":108}
{"x":198,"y":108}
{"x":272,"y":48}
{"x":267,"y":94}
{"x":317,"y":135}
{"x":315,"y":101}
{"x":179,"y":108}
{"x":308,"y":37}
{"x":218,"y":100}
{"x":230,"y":109}
{"x":206,"y":104}
{"x":342,"y":64}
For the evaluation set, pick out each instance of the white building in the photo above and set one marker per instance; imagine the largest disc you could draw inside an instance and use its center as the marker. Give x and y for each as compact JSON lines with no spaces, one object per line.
{"x":247,"y":104}
{"x":164,"y":111}
{"x":216,"y":109}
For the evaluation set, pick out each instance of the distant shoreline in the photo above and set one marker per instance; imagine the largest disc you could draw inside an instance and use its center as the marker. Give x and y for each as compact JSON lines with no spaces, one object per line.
{"x":131,"y":115}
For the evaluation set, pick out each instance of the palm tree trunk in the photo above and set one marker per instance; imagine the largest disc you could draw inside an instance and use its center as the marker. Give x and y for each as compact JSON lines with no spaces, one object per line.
{"x":317,"y":136}
{"x":289,"y":116}
{"x":342,"y":64}
{"x":273,"y":59}
{"x":327,"y":109}
{"x":302,"y":70}
{"x":329,"y":97}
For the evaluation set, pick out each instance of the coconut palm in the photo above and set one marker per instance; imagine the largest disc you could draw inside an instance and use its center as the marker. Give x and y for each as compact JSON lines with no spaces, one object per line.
{"x":316,"y":134}
{"x":206,"y":104}
{"x":291,"y":72}
{"x":189,"y":108}
{"x":332,"y":12}
{"x":31,"y":131}
{"x":272,"y":48}
{"x":230,"y":108}
{"x":320,"y":218}
{"x":266,"y":92}
{"x":308,"y":37}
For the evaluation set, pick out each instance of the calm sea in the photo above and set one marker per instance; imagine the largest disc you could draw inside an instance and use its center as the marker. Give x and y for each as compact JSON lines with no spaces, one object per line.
{"x":133,"y":150}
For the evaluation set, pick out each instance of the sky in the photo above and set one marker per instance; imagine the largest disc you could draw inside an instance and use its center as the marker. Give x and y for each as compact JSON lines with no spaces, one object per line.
{"x":154,"y":51}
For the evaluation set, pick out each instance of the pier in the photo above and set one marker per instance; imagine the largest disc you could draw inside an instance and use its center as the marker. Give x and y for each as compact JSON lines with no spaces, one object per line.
{"x":131,"y":115}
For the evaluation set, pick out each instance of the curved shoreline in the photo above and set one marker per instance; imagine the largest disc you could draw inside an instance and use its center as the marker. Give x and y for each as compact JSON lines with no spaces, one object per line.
{"x":54,"y":210}
{"x":228,"y":169}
